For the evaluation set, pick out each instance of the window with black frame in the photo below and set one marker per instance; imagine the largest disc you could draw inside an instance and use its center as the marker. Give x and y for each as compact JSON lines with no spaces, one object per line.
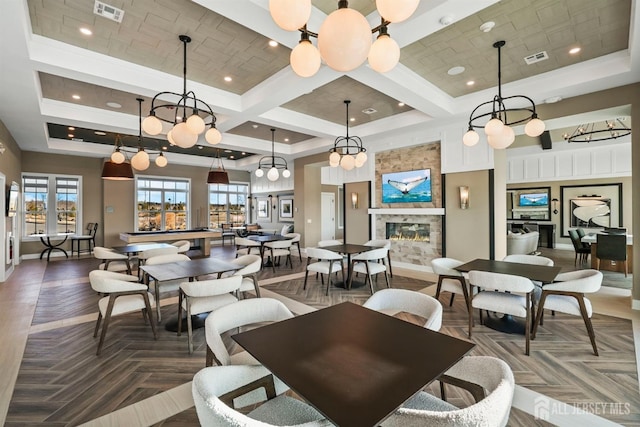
{"x":51,"y":204}
{"x":162,"y":204}
{"x":227,"y":204}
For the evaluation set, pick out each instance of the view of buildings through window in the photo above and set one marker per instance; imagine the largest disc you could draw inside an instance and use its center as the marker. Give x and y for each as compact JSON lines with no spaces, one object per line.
{"x":227,"y":204}
{"x":162,"y":204}
{"x":38,"y":218}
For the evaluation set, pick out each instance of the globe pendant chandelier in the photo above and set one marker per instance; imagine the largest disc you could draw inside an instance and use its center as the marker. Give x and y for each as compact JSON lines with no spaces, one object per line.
{"x":188,"y":115}
{"x":273,"y":163}
{"x":501,"y":118}
{"x":344,"y":38}
{"x":118,"y":168}
{"x":591,"y":132}
{"x":347,"y":151}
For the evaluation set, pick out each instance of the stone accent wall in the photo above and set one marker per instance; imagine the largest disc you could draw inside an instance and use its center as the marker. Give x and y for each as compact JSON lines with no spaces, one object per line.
{"x":406,"y":159}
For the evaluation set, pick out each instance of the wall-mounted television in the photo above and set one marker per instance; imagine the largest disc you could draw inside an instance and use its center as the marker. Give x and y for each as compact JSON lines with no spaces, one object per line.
{"x":407,"y":187}
{"x":12,"y":199}
{"x":534,"y":199}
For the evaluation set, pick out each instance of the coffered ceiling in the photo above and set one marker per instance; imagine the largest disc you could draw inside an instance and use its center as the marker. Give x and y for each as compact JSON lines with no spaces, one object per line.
{"x":46,"y":60}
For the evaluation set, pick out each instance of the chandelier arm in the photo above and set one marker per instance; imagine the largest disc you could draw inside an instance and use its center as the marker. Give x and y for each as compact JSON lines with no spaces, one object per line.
{"x":166,"y":104}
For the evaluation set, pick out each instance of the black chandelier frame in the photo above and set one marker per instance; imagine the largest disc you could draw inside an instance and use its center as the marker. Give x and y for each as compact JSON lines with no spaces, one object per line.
{"x":589,"y":133}
{"x":120,"y":147}
{"x":273,"y":161}
{"x":348,"y":145}
{"x":499,"y":109}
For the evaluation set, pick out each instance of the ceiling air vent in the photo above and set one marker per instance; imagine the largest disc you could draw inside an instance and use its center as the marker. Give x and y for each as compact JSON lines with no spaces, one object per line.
{"x":536,"y":57}
{"x":109,"y":12}
{"x":369,"y":110}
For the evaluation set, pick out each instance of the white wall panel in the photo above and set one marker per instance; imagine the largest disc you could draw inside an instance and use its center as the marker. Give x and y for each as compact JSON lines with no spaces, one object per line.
{"x":602,"y":162}
{"x":531,"y":169}
{"x":547,"y":167}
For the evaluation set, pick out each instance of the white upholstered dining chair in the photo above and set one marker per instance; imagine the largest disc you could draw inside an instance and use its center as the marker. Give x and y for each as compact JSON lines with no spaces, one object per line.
{"x":326,"y":262}
{"x":370,"y":263}
{"x":218,"y":389}
{"x":251,"y":266}
{"x":111,"y":260}
{"x":278,"y":249}
{"x":450,"y":279}
{"x":382,"y":243}
{"x":392,"y":301}
{"x":490,"y":375}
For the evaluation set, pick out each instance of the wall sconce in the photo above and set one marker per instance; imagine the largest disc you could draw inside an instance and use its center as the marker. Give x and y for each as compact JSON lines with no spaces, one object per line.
{"x":354,"y":200}
{"x":271,"y":201}
{"x":464,"y":197}
{"x":555,"y":206}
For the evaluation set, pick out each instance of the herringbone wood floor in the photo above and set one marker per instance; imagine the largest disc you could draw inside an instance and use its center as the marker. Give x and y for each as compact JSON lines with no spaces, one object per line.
{"x":62,"y":382}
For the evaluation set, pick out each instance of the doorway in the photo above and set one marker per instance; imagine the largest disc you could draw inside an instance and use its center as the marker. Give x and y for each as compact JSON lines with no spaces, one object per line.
{"x":328,"y":212}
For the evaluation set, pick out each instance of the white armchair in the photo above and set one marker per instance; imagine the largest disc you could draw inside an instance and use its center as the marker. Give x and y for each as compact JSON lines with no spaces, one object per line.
{"x":327,"y":262}
{"x":566,"y":295}
{"x":251,"y":265}
{"x":392,"y":301}
{"x":370,"y":263}
{"x":525,"y":243}
{"x":111,"y":260}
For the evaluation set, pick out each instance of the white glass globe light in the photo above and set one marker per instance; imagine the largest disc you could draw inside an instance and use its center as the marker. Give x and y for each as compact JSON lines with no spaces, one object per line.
{"x":344,"y":39}
{"x":140,"y":161}
{"x":161,"y":161}
{"x":347,"y":162}
{"x":259,"y":173}
{"x":273,"y":174}
{"x":290,"y":14}
{"x":470,"y":138}
{"x":384,"y":54}
{"x":503,"y":140}
{"x":170,"y":138}
{"x":361,"y":158}
{"x":117,"y":157}
{"x":286,"y":173}
{"x":534,"y":127}
{"x":213,"y":136}
{"x":195,"y":124}
{"x":334,"y":157}
{"x":396,"y":10}
{"x":183,"y":137}
{"x":152,"y":125}
{"x":305,"y":59}
{"x":334,"y":164}
{"x":493,"y":127}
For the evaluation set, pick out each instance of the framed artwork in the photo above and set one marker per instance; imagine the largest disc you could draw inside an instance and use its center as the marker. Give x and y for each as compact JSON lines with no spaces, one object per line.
{"x":286,"y":208}
{"x":590,"y":207}
{"x":263,"y":209}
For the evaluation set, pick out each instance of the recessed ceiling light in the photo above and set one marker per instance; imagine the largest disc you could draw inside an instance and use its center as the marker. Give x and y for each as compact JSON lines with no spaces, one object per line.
{"x":470,"y":83}
{"x":286,"y":140}
{"x":574,"y":50}
{"x":200,"y":147}
{"x":75,"y":96}
{"x":273,"y":43}
{"x":454,"y":71}
{"x":400,"y":104}
{"x":99,"y":132}
{"x":487,"y":26}
{"x":164,"y":148}
{"x":71,"y":128}
{"x":227,"y":151}
{"x":446,"y":20}
{"x":231,"y":157}
{"x":86,"y":31}
{"x":352,"y":119}
{"x":70,"y":135}
{"x":254,"y":126}
{"x":114,"y":104}
{"x":553,"y":99}
{"x":244,"y":154}
{"x":227,"y":79}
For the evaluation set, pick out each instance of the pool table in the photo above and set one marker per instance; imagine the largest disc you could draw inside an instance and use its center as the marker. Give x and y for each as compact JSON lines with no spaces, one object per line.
{"x":202,"y":237}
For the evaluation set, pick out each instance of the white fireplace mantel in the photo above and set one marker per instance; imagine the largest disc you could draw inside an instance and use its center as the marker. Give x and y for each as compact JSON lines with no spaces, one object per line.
{"x":406,"y":211}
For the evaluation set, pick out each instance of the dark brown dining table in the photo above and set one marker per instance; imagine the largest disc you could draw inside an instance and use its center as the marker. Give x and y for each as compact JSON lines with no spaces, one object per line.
{"x":354,"y":365}
{"x":539,"y":273}
{"x":349,"y":249}
{"x":187,"y":270}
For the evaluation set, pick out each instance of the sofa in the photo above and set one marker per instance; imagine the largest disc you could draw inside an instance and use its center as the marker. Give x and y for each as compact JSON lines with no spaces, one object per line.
{"x":522,"y":243}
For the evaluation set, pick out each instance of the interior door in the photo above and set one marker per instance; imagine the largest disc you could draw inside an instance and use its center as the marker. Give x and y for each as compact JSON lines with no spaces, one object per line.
{"x":328,"y":211}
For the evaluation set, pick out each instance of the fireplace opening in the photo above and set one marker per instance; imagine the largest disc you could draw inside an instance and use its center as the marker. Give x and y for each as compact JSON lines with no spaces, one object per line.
{"x":408,"y":231}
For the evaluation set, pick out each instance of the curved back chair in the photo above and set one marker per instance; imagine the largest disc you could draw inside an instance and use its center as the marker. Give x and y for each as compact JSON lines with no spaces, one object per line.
{"x":391,"y":301}
{"x":112,"y":260}
{"x":164,"y":286}
{"x":217,"y":389}
{"x":583,"y":250}
{"x":295,"y":241}
{"x":370,"y":263}
{"x":529,"y":259}
{"x":566,"y":295}
{"x":327,"y":262}
{"x":323,"y":243}
{"x":252,"y":264}
{"x":204,"y":296}
{"x":244,"y":246}
{"x":382,"y":243}
{"x":499,"y":293}
{"x":182,"y":245}
{"x":492,"y":407}
{"x":278,"y":248}
{"x":451,"y":280}
{"x":612,"y":247}
{"x":242,"y":313}
{"x":124,"y":295}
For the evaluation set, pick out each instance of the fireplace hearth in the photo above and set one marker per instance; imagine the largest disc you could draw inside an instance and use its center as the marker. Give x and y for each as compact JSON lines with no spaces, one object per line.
{"x":408,"y":231}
